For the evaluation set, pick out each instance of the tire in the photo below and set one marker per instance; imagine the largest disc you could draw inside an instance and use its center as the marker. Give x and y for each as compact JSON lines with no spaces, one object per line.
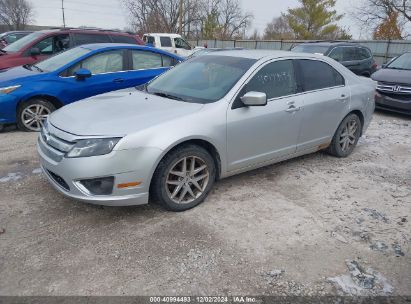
{"x":343,"y":142}
{"x":171,"y":181}
{"x":31,"y":114}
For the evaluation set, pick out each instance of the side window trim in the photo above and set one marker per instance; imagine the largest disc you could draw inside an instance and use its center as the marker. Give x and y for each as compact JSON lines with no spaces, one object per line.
{"x":236,"y":104}
{"x":303,"y":91}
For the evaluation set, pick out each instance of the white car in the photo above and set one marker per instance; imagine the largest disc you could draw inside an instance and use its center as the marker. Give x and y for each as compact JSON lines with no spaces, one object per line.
{"x":172,"y":43}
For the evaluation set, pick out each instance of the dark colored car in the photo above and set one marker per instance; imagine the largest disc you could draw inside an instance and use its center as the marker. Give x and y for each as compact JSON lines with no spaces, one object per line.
{"x":7,"y":38}
{"x":42,"y":44}
{"x":394,"y":85}
{"x":355,"y":57}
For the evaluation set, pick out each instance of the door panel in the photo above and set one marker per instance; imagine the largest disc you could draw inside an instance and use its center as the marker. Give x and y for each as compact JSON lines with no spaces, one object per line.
{"x":326,"y":100}
{"x":259,"y":134}
{"x":323,"y":111}
{"x":107,"y":75}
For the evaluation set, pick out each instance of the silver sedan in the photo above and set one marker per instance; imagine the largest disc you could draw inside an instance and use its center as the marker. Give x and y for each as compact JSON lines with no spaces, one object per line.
{"x":206,"y":119}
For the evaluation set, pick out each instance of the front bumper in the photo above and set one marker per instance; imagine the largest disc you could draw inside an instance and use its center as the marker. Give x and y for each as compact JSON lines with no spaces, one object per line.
{"x":395,"y":104}
{"x":8,"y":106}
{"x":126,"y":166}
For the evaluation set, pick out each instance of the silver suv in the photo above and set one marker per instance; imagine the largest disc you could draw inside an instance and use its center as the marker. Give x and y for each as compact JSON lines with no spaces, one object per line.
{"x":208,"y":118}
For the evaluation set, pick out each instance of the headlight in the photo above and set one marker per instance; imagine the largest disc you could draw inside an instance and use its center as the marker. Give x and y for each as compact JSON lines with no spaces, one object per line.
{"x":93,"y":147}
{"x":7,"y":90}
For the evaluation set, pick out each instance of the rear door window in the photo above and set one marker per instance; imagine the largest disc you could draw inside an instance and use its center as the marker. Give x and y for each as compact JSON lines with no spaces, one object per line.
{"x":80,"y":38}
{"x":316,"y":75}
{"x":350,"y":53}
{"x":143,"y":60}
{"x":165,"y":42}
{"x":276,"y":79}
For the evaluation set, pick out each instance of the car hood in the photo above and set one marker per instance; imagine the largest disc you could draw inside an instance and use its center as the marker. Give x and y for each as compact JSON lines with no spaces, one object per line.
{"x":14,"y":75}
{"x":119,"y":113}
{"x":394,"y":76}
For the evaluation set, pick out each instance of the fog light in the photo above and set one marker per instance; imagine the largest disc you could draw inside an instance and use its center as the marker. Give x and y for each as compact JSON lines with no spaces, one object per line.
{"x":99,"y":186}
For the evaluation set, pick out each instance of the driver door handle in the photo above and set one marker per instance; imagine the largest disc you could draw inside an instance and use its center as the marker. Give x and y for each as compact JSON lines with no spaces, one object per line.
{"x":118,"y":80}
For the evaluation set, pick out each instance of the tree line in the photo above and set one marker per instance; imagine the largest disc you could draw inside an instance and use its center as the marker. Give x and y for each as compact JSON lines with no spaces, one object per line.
{"x":226,"y":19}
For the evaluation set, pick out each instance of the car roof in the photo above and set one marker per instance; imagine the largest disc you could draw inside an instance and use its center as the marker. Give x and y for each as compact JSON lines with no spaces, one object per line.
{"x":260,"y":54}
{"x":163,"y":34}
{"x":99,"y":46}
{"x":332,"y":43}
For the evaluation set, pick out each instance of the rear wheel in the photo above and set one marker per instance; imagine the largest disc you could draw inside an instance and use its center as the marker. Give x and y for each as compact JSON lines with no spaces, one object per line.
{"x":183,"y":178}
{"x":346,"y":137}
{"x":32,"y":114}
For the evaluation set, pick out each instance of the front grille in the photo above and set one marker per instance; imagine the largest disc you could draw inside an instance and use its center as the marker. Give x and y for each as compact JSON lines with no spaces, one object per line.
{"x":394,"y":88}
{"x":59,"y":180}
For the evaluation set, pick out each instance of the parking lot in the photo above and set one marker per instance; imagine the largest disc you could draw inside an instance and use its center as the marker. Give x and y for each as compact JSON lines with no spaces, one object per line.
{"x":293,"y":228}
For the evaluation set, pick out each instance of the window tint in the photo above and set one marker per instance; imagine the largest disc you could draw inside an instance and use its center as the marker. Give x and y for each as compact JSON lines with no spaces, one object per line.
{"x":146,"y":60}
{"x":319,"y":75}
{"x":181,"y":44}
{"x":350,"y":53}
{"x":123,"y":39}
{"x":168,"y":61}
{"x":53,"y":44}
{"x":363,"y":53}
{"x":111,"y":61}
{"x":90,"y":38}
{"x":165,"y":41}
{"x":337,"y":54}
{"x":275,"y":79}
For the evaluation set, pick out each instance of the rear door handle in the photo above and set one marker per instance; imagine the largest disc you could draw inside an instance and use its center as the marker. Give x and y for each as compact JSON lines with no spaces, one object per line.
{"x":343,"y":98}
{"x":293,"y":109}
{"x":118,"y":80}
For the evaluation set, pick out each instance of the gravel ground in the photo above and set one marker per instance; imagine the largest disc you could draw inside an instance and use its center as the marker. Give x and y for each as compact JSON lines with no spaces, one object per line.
{"x":314,"y":225}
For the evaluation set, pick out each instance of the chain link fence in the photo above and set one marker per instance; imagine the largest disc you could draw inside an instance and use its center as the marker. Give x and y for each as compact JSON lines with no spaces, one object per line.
{"x":383,"y":50}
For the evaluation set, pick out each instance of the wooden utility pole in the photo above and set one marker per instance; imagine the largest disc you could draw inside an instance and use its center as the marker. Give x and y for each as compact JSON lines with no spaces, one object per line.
{"x":62,"y":10}
{"x":180,"y":17}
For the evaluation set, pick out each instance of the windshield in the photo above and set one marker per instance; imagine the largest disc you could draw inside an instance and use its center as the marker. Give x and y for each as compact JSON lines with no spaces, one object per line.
{"x":204,"y":79}
{"x":313,"y":49}
{"x":21,"y":43}
{"x":61,"y":59}
{"x":403,"y":62}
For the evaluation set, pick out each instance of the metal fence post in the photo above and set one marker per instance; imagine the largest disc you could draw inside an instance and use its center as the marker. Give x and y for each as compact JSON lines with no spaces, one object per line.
{"x":256,"y":44}
{"x":386,"y":51}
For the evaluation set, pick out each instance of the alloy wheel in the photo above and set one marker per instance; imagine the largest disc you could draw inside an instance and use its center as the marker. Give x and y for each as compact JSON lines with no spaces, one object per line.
{"x":34,"y":116}
{"x":348,"y":135}
{"x":187,"y":179}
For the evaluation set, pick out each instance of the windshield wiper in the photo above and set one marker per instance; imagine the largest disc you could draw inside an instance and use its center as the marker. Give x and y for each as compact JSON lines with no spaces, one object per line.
{"x":3,"y":51}
{"x":168,"y":96}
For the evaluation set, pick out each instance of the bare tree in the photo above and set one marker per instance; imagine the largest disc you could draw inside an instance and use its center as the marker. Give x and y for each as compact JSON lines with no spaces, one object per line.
{"x":16,"y":14}
{"x":278,"y":29}
{"x":222,"y":19}
{"x":372,"y":13}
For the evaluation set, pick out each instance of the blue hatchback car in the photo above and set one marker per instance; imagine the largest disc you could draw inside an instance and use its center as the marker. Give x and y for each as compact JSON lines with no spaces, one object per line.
{"x":29,"y":93}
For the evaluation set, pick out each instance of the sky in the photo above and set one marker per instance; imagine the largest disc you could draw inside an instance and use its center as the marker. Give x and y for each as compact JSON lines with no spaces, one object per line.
{"x":111,"y":14}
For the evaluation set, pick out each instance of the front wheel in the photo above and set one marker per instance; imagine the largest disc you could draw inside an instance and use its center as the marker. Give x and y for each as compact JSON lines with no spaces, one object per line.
{"x":33,"y":113}
{"x":346,"y":137}
{"x":183,"y":178}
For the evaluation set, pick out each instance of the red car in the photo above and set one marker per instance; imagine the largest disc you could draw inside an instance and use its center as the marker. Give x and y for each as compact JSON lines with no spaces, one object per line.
{"x":42,"y":44}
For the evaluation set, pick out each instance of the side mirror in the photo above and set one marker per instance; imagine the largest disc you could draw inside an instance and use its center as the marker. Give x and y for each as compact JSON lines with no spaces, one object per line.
{"x":254,"y":99}
{"x":82,"y":74}
{"x":35,"y":52}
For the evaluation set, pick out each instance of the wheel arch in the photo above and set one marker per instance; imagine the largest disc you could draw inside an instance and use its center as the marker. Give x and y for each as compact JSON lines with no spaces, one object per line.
{"x":360,"y":115}
{"x":204,"y":143}
{"x":54,"y":100}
